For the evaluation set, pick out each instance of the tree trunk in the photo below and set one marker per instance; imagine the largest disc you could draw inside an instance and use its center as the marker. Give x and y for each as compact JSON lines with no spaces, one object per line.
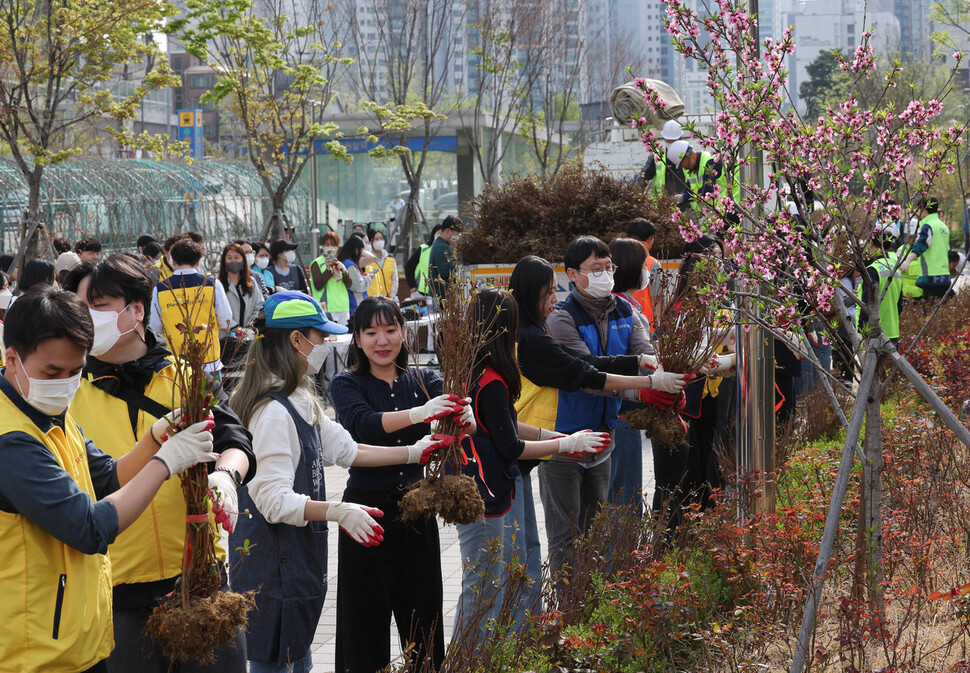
{"x":872,"y":469}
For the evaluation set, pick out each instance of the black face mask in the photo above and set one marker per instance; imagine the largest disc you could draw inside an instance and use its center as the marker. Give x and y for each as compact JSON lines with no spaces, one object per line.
{"x":234,"y":267}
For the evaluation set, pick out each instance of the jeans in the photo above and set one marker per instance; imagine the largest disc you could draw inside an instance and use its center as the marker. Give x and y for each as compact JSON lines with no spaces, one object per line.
{"x":533,"y":549}
{"x":301,"y":665}
{"x":571,"y":496}
{"x":626,"y":468}
{"x":487,"y":546}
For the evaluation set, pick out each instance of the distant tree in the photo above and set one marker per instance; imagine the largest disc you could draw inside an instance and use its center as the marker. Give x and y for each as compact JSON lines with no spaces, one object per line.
{"x":827,"y":83}
{"x":61,"y":66}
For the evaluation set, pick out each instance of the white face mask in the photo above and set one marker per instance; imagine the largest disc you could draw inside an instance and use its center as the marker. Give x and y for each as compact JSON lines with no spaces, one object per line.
{"x":5,"y":296}
{"x":262,"y":262}
{"x":50,"y":396}
{"x":316,"y":358}
{"x":600,"y":288}
{"x":289,"y":255}
{"x":106,"y":332}
{"x":250,"y":259}
{"x":330,"y":254}
{"x":644,"y":278}
{"x":378,"y":245}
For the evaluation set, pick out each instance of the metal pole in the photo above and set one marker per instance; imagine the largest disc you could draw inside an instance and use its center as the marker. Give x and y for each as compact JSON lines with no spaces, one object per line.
{"x":756,"y":429}
{"x":313,"y":190}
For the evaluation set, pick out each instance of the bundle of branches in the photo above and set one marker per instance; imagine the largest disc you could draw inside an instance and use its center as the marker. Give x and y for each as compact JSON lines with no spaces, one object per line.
{"x":197,"y":617}
{"x":530,"y":215}
{"x":685,"y":339}
{"x":445,"y":491}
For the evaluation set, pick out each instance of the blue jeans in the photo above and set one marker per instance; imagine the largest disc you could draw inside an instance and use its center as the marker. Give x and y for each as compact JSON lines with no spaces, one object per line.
{"x":483,"y":578}
{"x":301,"y":665}
{"x":533,"y":549}
{"x":626,"y":468}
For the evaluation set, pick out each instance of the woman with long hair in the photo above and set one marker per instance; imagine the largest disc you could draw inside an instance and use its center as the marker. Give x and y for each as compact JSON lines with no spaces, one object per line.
{"x":500,"y":441}
{"x":384,"y":267}
{"x":245,"y":298}
{"x":380,"y":400}
{"x":286,"y":552}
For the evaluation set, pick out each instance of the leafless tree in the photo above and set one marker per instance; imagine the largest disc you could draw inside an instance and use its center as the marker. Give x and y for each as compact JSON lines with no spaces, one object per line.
{"x":403,"y":74}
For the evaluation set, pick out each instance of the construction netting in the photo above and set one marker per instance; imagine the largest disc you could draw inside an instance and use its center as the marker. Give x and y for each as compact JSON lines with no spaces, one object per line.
{"x":117,"y":200}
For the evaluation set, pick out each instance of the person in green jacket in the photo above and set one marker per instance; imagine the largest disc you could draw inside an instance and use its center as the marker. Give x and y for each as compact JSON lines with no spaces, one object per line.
{"x":932,"y":249}
{"x":887,"y":279}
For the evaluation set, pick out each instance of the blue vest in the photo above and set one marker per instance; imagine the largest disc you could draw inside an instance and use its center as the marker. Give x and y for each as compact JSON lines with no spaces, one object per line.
{"x":585,"y":411}
{"x":287,"y":565}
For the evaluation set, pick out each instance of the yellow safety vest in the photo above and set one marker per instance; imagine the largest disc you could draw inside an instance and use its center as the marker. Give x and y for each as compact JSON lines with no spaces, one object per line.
{"x":55,"y":609}
{"x":384,"y":280}
{"x":164,"y":270}
{"x":537,"y":405}
{"x":151,"y":548}
{"x":192,"y":295}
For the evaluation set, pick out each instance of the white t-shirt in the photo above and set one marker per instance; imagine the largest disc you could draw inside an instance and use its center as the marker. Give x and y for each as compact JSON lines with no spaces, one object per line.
{"x":277,"y":448}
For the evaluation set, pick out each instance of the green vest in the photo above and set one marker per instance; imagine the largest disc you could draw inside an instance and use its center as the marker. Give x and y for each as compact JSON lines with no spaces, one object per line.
{"x":935,"y":261}
{"x":910,"y":289}
{"x":321,"y":264}
{"x":889,"y":306}
{"x":421,"y":272}
{"x":334,"y":293}
{"x":660,"y":177}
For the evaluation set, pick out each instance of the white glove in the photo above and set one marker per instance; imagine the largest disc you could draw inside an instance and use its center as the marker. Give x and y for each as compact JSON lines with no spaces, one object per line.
{"x":224,"y":486}
{"x":358,"y":522}
{"x":163,"y":425}
{"x":667,"y":382}
{"x":187,"y":447}
{"x":904,"y":267}
{"x":649,"y":361}
{"x":467,"y":417}
{"x":435,"y":408}
{"x":422,"y":451}
{"x":584,"y":441}
{"x":725,"y":365}
{"x":679,"y":199}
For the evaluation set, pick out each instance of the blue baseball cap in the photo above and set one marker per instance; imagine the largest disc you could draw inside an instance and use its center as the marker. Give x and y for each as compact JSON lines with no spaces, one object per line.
{"x":294,"y":310}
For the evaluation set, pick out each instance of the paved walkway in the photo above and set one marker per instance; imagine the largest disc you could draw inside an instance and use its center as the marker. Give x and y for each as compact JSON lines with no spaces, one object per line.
{"x":323,"y":640}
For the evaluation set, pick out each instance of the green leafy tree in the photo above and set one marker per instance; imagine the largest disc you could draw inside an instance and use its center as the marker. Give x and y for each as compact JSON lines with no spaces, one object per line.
{"x":827,"y":83}
{"x":276,"y":68}
{"x":60,"y":68}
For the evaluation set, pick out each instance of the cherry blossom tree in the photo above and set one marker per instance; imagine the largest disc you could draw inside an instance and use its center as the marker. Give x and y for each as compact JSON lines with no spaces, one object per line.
{"x":858,"y":163}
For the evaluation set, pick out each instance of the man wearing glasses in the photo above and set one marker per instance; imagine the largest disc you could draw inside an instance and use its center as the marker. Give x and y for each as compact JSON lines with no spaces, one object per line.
{"x":595,"y":321}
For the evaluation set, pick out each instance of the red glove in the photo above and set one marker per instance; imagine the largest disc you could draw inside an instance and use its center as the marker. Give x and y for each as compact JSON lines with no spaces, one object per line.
{"x":426,"y":447}
{"x":657,"y":398}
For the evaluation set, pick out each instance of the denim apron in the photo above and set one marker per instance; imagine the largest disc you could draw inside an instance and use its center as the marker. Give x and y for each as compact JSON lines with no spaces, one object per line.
{"x":286,"y":565}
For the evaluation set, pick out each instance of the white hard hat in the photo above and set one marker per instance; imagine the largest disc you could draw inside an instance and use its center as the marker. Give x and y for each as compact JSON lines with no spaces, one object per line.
{"x":677,"y":152}
{"x":672,"y":131}
{"x":883,"y":229}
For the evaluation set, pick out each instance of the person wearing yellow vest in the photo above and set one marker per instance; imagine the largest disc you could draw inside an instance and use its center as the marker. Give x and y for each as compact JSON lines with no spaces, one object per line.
{"x":164,"y":265}
{"x":189,"y":292}
{"x":63,"y":500}
{"x":330,"y":281}
{"x":698,"y":173}
{"x":932,"y":248}
{"x":886,"y":280}
{"x":130,"y":376}
{"x":383,"y":269}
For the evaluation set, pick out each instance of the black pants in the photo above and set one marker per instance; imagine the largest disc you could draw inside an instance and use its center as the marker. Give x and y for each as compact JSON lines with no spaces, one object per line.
{"x":136,"y":652}
{"x":400,"y":576}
